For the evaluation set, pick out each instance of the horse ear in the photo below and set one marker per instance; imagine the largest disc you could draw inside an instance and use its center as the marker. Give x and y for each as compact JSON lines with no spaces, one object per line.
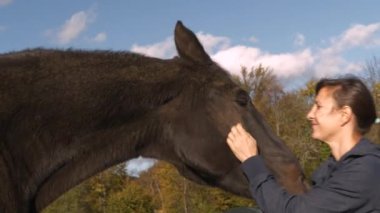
{"x":188,"y":46}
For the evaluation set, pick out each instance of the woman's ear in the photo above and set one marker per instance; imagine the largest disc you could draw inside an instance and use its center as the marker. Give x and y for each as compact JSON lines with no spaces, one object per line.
{"x":346,"y":115}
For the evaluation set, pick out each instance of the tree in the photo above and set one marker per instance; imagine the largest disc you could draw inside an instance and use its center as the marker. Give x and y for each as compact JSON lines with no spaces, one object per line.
{"x":265,"y":91}
{"x":174,"y":193}
{"x":372,"y":70}
{"x":99,"y":188}
{"x":68,"y":202}
{"x":133,"y":198}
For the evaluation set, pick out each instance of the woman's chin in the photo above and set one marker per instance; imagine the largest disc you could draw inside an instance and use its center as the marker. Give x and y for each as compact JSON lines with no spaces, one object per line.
{"x":315,"y":136}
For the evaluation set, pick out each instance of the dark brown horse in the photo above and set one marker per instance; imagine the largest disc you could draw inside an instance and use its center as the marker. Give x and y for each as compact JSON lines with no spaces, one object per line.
{"x":67,"y":115}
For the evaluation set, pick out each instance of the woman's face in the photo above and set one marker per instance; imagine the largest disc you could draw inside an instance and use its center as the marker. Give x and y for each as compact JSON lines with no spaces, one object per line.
{"x":324,"y":116}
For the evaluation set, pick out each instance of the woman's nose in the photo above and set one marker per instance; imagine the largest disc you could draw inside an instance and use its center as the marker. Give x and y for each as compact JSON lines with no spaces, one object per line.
{"x":310,"y":114}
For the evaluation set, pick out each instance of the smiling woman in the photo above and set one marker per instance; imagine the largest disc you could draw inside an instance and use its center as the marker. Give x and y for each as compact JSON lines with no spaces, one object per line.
{"x":343,"y":112}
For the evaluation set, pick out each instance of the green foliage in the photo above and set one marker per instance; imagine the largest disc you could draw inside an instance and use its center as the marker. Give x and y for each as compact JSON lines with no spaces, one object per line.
{"x":69,"y":202}
{"x":177,"y":194}
{"x":133,"y":198}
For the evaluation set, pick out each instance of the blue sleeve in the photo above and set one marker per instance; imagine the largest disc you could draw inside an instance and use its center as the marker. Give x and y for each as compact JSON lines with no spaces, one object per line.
{"x":345,"y":191}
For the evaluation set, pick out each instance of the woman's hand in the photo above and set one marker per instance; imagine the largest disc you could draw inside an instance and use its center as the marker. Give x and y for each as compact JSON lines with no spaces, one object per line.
{"x":242,"y":144}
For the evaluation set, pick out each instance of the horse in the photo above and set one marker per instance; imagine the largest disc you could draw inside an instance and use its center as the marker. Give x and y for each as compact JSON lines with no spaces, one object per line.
{"x":66,"y":115}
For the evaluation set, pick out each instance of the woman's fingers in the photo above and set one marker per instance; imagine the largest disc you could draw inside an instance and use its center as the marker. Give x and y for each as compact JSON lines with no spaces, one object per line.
{"x":241,"y":143}
{"x":240,"y":129}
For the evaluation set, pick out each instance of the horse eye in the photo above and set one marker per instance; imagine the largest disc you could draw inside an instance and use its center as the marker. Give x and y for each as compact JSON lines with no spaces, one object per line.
{"x":242,"y":98}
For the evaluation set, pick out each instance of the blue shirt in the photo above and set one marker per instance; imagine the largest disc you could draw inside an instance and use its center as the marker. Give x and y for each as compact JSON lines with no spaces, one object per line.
{"x":351,"y":184}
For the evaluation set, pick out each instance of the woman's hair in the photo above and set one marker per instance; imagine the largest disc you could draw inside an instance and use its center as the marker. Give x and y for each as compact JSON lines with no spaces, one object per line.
{"x":351,"y":91}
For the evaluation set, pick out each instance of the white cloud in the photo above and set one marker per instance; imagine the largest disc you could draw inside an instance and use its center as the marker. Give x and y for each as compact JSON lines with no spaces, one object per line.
{"x":100,"y":37}
{"x":233,"y":58}
{"x":2,"y":28}
{"x":136,"y":166}
{"x":72,"y":27}
{"x":299,"y":39}
{"x":330,"y":60}
{"x":284,"y":65}
{"x":164,"y":49}
{"x":377,"y":41}
{"x":213,"y":43}
{"x":326,"y":61}
{"x":330,"y":63}
{"x":5,"y":2}
{"x":358,"y":35}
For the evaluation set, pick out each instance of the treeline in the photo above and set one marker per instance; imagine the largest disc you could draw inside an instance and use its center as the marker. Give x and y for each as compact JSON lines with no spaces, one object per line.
{"x":162,"y":189}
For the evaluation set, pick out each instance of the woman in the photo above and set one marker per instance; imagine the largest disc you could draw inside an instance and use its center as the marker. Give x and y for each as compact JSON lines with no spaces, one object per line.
{"x":349,"y":181}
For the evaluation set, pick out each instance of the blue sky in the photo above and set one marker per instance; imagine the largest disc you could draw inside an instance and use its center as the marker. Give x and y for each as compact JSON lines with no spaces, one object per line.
{"x":298,"y":39}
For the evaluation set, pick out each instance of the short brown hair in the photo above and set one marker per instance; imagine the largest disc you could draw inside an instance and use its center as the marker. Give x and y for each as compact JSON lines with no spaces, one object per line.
{"x":351,"y":91}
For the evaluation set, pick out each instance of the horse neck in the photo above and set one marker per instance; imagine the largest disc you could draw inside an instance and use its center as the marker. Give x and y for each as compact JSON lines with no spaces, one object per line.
{"x":110,"y":147}
{"x":129,"y":130}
